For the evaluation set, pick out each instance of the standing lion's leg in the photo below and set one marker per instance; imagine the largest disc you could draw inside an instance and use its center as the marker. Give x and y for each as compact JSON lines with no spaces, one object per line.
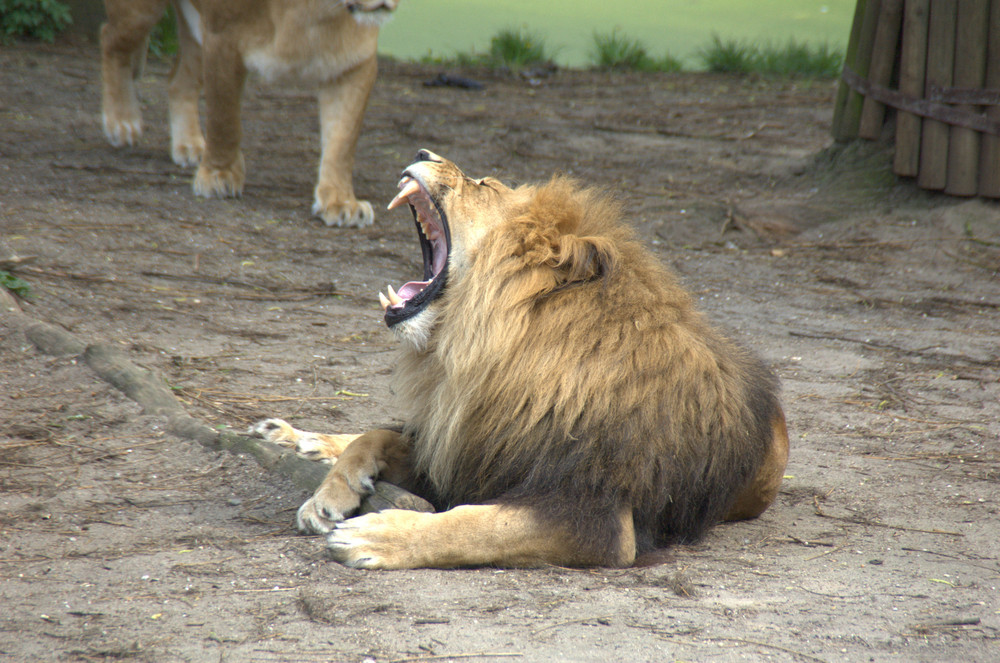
{"x":222,"y":171}
{"x":187,"y":144}
{"x":471,"y":535}
{"x":342,"y":105}
{"x":376,"y":454}
{"x":123,"y":50}
{"x":763,"y":489}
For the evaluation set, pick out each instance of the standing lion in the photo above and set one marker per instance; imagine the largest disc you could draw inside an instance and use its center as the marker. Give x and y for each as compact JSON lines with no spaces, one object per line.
{"x":564,"y":402}
{"x":330,"y":43}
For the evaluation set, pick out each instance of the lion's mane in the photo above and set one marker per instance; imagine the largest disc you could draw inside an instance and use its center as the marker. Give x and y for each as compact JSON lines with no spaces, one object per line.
{"x":568,"y":370}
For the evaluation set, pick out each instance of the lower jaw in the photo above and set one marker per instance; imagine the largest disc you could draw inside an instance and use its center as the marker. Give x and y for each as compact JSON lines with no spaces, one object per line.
{"x":415,"y":330}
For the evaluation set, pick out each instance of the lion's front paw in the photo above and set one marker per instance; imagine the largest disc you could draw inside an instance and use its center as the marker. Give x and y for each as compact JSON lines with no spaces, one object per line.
{"x":310,"y":519}
{"x":188,"y":151}
{"x":312,"y":446}
{"x":376,"y":540}
{"x":122,"y":128}
{"x":336,"y":211}
{"x":321,"y":512}
{"x":276,"y":431}
{"x":212,"y":182}
{"x":333,"y":501}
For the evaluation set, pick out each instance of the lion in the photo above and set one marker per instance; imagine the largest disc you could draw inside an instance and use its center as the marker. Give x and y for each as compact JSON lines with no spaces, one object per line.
{"x":331,"y":43}
{"x":564,"y":403}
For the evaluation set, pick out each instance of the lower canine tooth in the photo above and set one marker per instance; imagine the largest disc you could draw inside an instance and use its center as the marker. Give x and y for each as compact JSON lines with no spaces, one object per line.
{"x":383,"y":301}
{"x":394,"y":299}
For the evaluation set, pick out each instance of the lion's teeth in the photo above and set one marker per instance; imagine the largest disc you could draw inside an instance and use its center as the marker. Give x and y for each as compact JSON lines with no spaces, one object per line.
{"x":394,"y":299}
{"x":383,"y":301}
{"x":407,"y":187}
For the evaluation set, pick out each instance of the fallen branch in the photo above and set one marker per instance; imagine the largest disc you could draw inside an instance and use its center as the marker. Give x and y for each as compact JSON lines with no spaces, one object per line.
{"x":155,"y":397}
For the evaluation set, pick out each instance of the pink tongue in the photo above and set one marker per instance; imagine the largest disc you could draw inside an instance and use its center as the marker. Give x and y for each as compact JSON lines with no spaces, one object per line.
{"x":410,"y":290}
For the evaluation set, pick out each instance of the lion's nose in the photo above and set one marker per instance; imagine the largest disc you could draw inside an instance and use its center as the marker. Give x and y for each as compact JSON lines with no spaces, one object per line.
{"x":427,"y":155}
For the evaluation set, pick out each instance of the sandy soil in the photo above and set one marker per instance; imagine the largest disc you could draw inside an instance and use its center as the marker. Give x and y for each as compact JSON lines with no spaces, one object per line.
{"x":877,"y":304}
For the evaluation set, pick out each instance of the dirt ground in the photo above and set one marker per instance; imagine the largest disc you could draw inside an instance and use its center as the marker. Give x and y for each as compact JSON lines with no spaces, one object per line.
{"x":876,"y":303}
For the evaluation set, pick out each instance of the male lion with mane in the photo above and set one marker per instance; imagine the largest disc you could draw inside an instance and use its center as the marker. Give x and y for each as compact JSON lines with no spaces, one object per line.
{"x":330,"y":43}
{"x":564,"y":402}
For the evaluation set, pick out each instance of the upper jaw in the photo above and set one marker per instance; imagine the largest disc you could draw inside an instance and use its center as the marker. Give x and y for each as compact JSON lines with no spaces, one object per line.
{"x":435,"y":244}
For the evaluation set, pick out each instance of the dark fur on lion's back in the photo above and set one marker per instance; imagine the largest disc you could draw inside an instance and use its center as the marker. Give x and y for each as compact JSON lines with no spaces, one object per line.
{"x":568,"y":370}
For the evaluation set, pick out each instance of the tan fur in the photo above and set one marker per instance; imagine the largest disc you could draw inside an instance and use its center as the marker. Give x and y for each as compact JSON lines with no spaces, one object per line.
{"x":314,"y":446}
{"x":320,"y":41}
{"x":564,"y":390}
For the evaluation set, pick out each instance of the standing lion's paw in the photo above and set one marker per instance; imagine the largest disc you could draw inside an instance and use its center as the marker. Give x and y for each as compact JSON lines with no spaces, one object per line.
{"x":350,"y":213}
{"x":376,"y":540}
{"x":212,"y":182}
{"x":188,"y":152}
{"x":122,"y":128}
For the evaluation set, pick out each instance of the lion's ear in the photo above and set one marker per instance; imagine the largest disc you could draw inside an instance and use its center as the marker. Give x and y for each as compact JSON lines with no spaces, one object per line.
{"x":582,"y":258}
{"x":558,"y":211}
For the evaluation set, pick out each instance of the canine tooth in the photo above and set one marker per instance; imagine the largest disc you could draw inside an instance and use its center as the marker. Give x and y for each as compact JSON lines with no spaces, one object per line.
{"x":407,"y":187}
{"x":394,"y":299}
{"x":383,"y":301}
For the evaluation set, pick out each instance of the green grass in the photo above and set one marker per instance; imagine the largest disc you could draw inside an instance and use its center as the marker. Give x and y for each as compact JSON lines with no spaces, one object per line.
{"x":516,"y":48}
{"x":163,"y":38}
{"x":614,"y":50}
{"x":512,"y":49}
{"x":16,"y":285}
{"x":38,"y":19}
{"x":790,"y":59}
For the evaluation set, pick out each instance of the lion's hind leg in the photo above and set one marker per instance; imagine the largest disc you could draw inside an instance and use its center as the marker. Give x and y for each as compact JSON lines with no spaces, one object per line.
{"x":472,"y":535}
{"x":123,"y":52}
{"x":762,"y":490}
{"x":314,"y":446}
{"x":187,"y":143}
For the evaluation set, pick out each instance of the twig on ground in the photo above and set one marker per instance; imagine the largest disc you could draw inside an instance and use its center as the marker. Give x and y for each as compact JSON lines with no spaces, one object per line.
{"x":766,"y":645}
{"x":438,"y":657}
{"x":857,"y":520}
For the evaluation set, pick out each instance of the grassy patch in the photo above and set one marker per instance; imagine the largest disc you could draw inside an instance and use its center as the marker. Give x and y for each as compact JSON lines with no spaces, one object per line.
{"x":790,"y":59}
{"x":163,"y":38}
{"x":516,"y":48}
{"x":511,"y":48}
{"x":38,"y":19}
{"x":17,"y":286}
{"x":614,"y":50}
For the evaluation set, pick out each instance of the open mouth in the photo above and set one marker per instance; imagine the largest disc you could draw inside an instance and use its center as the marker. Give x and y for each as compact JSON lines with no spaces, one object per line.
{"x":435,"y":241}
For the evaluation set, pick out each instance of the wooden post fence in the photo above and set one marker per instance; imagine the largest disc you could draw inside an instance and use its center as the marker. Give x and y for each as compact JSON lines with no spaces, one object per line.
{"x":933,"y":66}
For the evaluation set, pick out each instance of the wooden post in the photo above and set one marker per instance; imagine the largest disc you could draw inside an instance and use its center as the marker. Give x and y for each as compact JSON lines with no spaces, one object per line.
{"x":883,"y":59}
{"x":940,"y":58}
{"x":912,"y":69}
{"x":989,"y":160}
{"x":850,"y":57}
{"x":970,"y":71}
{"x":849,"y":117}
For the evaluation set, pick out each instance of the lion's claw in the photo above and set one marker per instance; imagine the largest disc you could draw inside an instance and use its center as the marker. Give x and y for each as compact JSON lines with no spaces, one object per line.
{"x":312,"y":519}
